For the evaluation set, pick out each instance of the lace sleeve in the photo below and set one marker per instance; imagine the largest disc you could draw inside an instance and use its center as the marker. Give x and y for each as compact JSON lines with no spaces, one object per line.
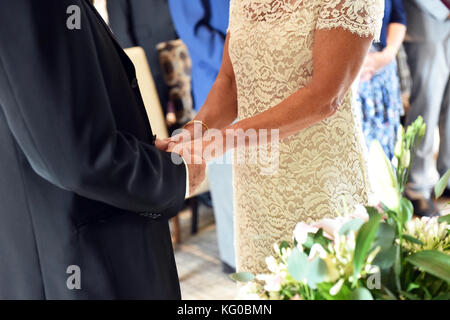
{"x":361,"y":17}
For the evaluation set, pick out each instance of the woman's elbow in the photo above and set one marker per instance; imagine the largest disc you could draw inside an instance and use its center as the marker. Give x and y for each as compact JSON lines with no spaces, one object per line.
{"x":331,"y":107}
{"x":327,"y":103}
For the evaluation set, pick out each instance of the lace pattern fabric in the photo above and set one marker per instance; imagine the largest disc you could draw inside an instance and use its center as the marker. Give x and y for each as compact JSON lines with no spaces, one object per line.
{"x":322,"y":169}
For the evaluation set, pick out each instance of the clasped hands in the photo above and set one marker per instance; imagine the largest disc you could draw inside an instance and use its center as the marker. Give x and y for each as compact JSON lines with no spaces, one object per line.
{"x":196,"y":147}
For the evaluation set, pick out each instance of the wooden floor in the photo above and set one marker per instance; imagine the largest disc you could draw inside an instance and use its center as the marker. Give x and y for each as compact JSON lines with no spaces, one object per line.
{"x":199,"y":265}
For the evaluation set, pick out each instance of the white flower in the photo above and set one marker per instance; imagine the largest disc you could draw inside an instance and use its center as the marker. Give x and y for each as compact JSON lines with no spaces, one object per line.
{"x":249,"y":292}
{"x":406,"y":159}
{"x":382,"y":177}
{"x":273,"y":281}
{"x":331,"y":226}
{"x":432,"y":234}
{"x":301,"y":232}
{"x":317,"y":251}
{"x":360,"y":213}
{"x":337,"y":287}
{"x":272,"y":264}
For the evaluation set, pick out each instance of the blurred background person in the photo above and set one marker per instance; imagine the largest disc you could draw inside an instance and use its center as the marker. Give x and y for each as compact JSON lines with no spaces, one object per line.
{"x":428,"y":49}
{"x":379,"y":91}
{"x":143,"y":23}
{"x":202,"y":25}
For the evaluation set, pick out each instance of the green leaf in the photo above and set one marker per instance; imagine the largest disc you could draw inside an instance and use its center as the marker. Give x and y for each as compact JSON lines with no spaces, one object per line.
{"x":242,"y":277}
{"x":372,"y":211}
{"x":384,"y":237}
{"x":324,"y":291}
{"x":412,"y":286}
{"x":411,"y":239}
{"x":409,"y":296}
{"x":444,"y":296}
{"x":406,"y":210}
{"x":361,"y":294}
{"x":298,"y":265}
{"x":364,"y":241}
{"x":433,"y":262}
{"x":321,"y":239}
{"x":444,"y":219}
{"x":385,"y":259}
{"x":317,"y":270}
{"x":385,"y":240}
{"x":352,"y":225}
{"x":284,"y":245}
{"x":309,"y":241}
{"x":441,"y":185}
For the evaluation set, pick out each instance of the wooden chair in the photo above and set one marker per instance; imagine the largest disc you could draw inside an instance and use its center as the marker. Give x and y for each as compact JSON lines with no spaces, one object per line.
{"x":158,"y":123}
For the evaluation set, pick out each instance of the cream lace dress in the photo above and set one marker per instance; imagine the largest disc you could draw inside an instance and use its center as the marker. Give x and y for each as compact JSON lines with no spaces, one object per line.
{"x":322,"y":169}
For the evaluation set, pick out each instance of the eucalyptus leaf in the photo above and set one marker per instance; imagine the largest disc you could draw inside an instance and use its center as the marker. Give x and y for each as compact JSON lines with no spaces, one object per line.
{"x":352,"y":225}
{"x":364,"y":241}
{"x":433,"y":262}
{"x":441,"y":185}
{"x":361,"y":294}
{"x":317,"y":271}
{"x":298,"y":265}
{"x":242,"y":277}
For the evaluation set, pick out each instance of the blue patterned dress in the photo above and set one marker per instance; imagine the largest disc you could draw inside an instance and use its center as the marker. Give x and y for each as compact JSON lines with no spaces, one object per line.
{"x":381,"y":107}
{"x":380,"y":98}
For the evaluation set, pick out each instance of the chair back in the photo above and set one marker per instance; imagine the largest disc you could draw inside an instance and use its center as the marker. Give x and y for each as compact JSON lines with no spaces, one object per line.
{"x":148,"y":91}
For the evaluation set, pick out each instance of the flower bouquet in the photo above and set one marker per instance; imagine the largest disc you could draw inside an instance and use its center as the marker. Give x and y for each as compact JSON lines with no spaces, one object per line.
{"x":375,"y":252}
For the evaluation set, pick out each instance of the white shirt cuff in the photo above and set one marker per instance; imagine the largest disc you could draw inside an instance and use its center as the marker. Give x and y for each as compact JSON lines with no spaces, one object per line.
{"x":187,"y":179}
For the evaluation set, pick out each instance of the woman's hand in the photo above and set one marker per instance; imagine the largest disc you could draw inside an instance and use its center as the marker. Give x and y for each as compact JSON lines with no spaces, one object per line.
{"x":375,"y":62}
{"x":208,"y":147}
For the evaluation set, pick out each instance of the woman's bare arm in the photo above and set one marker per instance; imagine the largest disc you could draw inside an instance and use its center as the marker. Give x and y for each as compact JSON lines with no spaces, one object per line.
{"x":338,"y":56}
{"x":220,"y":108}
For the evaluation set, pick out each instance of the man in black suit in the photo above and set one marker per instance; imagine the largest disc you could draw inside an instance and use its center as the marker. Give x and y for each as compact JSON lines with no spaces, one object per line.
{"x":144,"y":23}
{"x":85,"y":195}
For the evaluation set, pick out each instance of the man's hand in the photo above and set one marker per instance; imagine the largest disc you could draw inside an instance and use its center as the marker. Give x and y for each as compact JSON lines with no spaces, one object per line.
{"x":162,"y":145}
{"x":197,"y":173}
{"x":195,"y":164}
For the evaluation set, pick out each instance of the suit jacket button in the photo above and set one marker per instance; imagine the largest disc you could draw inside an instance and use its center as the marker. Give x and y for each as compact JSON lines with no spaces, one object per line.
{"x":134,"y":83}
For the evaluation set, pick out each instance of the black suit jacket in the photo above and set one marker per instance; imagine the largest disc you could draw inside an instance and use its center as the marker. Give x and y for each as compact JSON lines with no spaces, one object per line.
{"x":144,"y":23}
{"x":81,"y":182}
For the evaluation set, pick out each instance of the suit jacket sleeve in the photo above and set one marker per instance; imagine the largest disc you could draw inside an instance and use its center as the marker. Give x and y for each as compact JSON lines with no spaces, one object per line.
{"x":434,"y":7}
{"x":57,"y":107}
{"x":205,"y":42}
